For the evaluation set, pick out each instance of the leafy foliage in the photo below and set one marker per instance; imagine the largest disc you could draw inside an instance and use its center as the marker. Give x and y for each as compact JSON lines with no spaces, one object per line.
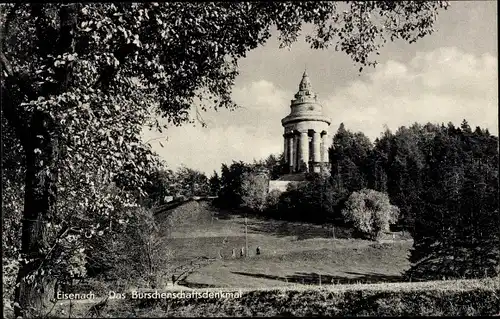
{"x":79,"y":81}
{"x":146,"y":254}
{"x":317,"y":201}
{"x":272,"y":200}
{"x":160,"y":184}
{"x":254,"y":189}
{"x":135,"y":254}
{"x":190,"y":182}
{"x":349,"y":157}
{"x":456,"y":230}
{"x":275,"y":165}
{"x":182,"y":183}
{"x":370,"y":212}
{"x":396,"y":166}
{"x":231,"y":182}
{"x":449,"y":298}
{"x":12,"y":190}
{"x":215,"y":184}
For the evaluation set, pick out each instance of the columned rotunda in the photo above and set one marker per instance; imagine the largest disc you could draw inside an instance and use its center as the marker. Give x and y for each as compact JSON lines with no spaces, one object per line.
{"x":306,"y":132}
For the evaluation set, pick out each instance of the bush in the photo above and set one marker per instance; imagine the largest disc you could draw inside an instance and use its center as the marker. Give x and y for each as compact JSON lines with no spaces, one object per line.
{"x":254,"y":188}
{"x":136,"y":256}
{"x":451,"y":298}
{"x":370,"y":212}
{"x":317,"y":200}
{"x":273,"y":198}
{"x":10,"y":268}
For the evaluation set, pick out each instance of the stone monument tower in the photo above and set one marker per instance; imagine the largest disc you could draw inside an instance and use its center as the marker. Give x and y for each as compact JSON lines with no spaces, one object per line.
{"x":306,"y":132}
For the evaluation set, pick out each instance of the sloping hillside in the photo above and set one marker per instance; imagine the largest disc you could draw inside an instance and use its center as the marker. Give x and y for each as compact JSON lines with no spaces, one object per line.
{"x":291,"y":253}
{"x":193,"y":214}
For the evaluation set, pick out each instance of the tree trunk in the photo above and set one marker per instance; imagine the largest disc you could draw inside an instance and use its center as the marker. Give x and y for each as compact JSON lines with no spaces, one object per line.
{"x":33,"y":290}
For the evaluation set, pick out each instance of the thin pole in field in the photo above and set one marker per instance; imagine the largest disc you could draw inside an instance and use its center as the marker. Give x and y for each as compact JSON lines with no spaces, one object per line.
{"x":246,"y":238}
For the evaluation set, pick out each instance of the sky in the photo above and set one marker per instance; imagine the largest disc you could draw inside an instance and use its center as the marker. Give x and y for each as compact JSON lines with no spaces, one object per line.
{"x":449,"y":75}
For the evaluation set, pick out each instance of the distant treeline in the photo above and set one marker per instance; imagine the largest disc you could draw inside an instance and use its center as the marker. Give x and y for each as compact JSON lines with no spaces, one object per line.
{"x":437,"y":182}
{"x":442,"y":178}
{"x":415,"y":166}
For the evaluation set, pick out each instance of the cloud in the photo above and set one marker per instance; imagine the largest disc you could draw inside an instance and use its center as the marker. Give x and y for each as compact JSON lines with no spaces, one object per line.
{"x":251,"y":132}
{"x":446,"y":84}
{"x":443,"y":85}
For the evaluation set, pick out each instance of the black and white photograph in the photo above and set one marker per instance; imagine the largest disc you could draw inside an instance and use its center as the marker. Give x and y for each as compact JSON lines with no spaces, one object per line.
{"x":249,"y":159}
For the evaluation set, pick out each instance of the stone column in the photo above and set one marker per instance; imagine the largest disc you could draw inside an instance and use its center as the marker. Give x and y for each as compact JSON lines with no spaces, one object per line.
{"x":316,"y":147}
{"x":324,"y":151}
{"x":291,"y":153}
{"x":296,"y":147}
{"x":316,"y":152}
{"x":304,"y":149}
{"x":285,"y":145}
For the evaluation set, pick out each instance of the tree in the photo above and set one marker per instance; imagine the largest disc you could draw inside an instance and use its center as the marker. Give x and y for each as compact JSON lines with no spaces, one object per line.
{"x":214,"y":182}
{"x":275,"y":164}
{"x":190,"y":182}
{"x":404,"y":167}
{"x":185,"y":182}
{"x":254,"y":189}
{"x":316,"y":200}
{"x":349,"y":156}
{"x":12,"y":204}
{"x":137,"y":253}
{"x":396,"y":166}
{"x":319,"y":199}
{"x":231,"y":184}
{"x":144,"y":251}
{"x":456,"y":232}
{"x":160,"y":184}
{"x":272,"y":202}
{"x":370,"y":212}
{"x":377,"y":162}
{"x":80,"y":80}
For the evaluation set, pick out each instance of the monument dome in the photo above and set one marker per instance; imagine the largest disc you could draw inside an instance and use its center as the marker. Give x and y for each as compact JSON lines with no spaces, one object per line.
{"x":306,"y":132}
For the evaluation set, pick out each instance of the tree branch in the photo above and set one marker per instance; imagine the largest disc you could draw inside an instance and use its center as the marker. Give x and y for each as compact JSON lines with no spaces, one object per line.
{"x":62,"y":233}
{"x":199,"y":117}
{"x":46,"y":35}
{"x":56,"y":42}
{"x":6,"y":67}
{"x":10,"y":105}
{"x":8,"y":20}
{"x":156,"y":138}
{"x":108,"y":72}
{"x":66,"y":43}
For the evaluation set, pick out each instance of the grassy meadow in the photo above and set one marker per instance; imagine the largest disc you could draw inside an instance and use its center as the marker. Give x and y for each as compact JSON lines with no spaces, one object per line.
{"x":291,"y":253}
{"x":301,"y":271}
{"x":439,"y":298}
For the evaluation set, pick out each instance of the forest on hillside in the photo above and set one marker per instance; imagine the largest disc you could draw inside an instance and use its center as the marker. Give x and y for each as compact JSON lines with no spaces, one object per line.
{"x":80,"y":82}
{"x":441,"y":181}
{"x":415,"y":165}
{"x":437,"y":182}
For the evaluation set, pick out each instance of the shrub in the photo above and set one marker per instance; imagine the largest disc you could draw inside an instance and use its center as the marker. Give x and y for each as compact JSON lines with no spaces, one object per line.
{"x":370,"y":212}
{"x":9,"y":272}
{"x":316,"y":200}
{"x":451,"y":298}
{"x":137,"y":255}
{"x":273,"y":198}
{"x":254,"y":188}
